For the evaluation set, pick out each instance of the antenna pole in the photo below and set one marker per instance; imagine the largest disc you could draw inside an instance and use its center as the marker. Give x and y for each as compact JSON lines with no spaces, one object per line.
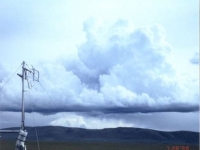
{"x":22,"y":132}
{"x":23,"y":76}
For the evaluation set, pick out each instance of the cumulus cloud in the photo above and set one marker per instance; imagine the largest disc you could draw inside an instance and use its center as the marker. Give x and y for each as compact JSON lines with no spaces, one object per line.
{"x":119,"y":68}
{"x":85,"y":121}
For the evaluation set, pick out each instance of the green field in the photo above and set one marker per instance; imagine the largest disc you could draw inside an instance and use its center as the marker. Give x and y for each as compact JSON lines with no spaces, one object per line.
{"x":32,"y":145}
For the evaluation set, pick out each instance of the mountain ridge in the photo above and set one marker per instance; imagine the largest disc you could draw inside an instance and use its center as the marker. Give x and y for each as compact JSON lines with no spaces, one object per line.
{"x":120,"y":134}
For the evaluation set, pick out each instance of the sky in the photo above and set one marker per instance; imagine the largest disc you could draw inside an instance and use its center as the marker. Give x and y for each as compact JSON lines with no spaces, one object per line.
{"x":102,"y":63}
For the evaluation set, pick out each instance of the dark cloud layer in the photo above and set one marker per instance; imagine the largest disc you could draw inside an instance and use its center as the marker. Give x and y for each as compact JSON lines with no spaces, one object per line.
{"x":119,"y":69}
{"x":108,"y":110}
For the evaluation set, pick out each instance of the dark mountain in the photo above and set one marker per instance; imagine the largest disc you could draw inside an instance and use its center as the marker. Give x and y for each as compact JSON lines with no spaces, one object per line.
{"x":134,"y":135}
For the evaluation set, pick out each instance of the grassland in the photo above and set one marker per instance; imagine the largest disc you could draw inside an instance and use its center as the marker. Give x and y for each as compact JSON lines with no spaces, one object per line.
{"x":63,"y":138}
{"x":32,"y":145}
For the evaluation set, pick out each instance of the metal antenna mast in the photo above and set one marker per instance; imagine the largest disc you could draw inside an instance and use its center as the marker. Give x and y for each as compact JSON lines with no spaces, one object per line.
{"x":23,"y":77}
{"x":22,"y":132}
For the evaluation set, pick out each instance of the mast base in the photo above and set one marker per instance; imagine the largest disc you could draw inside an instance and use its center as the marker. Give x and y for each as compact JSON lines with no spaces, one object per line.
{"x":21,"y":140}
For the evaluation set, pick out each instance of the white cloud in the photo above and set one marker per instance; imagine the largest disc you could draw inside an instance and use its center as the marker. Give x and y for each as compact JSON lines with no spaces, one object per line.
{"x":119,"y":67}
{"x":81,"y":121}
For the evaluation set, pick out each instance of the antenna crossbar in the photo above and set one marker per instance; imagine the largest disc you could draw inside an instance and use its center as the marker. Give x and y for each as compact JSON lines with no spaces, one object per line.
{"x":9,"y":131}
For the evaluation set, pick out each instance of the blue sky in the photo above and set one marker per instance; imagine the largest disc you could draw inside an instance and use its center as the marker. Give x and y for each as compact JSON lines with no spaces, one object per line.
{"x":111,"y":63}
